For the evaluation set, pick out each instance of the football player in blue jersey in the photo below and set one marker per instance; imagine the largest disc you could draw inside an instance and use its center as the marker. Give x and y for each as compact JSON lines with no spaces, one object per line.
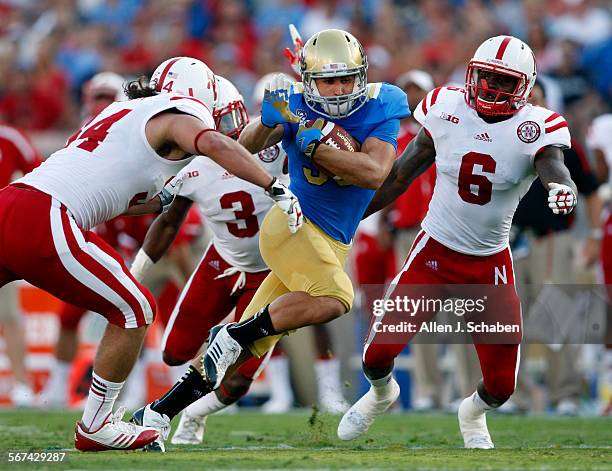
{"x":307,"y":284}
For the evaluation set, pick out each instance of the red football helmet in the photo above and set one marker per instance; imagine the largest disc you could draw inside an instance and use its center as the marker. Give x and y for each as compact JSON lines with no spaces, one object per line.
{"x":500,"y":76}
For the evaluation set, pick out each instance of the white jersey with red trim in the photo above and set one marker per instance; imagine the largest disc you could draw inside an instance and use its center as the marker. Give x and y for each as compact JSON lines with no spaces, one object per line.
{"x":109,"y":165}
{"x":233,"y":208}
{"x":483,"y":169}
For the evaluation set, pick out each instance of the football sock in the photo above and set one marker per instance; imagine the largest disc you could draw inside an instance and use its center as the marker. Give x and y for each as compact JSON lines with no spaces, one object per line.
{"x":187,"y":390}
{"x":381,"y":386}
{"x":102,"y":395}
{"x":255,"y":328}
{"x":205,"y":406}
{"x":477,"y":406}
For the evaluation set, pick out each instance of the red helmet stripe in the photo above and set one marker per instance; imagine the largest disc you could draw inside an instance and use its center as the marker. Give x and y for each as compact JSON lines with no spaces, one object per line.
{"x":162,"y":77}
{"x":502,"y":48}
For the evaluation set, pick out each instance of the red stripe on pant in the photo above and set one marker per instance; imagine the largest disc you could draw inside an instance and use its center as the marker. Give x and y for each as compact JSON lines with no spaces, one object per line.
{"x":105,"y":276}
{"x":422,"y":279}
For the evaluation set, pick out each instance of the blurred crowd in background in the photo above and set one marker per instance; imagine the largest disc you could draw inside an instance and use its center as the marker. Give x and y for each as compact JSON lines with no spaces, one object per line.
{"x":49,"y":49}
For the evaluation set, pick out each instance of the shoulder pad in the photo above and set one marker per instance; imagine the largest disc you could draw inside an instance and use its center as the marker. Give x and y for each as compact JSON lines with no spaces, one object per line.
{"x":192,"y":106}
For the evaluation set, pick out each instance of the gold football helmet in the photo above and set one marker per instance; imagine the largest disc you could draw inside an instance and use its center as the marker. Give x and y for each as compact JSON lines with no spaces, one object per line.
{"x":334,"y":53}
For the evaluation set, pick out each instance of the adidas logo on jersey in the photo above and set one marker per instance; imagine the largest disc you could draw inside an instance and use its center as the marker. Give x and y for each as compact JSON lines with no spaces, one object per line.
{"x":483,"y":137}
{"x":432,"y":264}
{"x":226,"y":175}
{"x":215,"y":264}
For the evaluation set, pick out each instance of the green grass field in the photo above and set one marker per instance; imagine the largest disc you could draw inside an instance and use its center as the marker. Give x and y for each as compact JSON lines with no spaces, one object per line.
{"x":303,"y":440}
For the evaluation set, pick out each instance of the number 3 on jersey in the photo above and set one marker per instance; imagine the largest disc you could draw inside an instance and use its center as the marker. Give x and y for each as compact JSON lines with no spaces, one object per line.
{"x":468,"y":179}
{"x":245,"y":215}
{"x":97,"y":132}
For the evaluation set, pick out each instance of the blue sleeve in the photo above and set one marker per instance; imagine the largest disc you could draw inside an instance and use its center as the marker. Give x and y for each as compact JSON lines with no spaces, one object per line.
{"x":394,"y":101}
{"x":387,"y":131}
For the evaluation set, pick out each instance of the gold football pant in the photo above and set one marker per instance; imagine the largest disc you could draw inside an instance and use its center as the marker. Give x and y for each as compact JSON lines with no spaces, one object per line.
{"x":309,"y":261}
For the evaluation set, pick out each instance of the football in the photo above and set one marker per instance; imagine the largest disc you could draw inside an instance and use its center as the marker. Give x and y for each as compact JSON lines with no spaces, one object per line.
{"x":336,"y":136}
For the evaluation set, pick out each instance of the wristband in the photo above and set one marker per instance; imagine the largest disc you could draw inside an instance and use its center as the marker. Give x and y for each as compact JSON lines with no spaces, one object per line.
{"x":141,"y":265}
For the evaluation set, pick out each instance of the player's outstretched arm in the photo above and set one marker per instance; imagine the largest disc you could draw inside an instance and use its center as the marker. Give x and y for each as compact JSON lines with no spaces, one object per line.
{"x":257,"y":137}
{"x":193,"y":137}
{"x":160,"y":236}
{"x":419,"y":155}
{"x":555,"y":176}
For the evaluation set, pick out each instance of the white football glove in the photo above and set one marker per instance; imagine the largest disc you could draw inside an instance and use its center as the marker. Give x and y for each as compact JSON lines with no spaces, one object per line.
{"x":288,"y":203}
{"x":561,"y":198}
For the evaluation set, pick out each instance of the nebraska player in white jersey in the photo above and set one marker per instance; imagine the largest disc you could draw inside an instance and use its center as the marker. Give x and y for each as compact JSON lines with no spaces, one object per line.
{"x":121,"y":157}
{"x":226,"y":277}
{"x":488,"y":145}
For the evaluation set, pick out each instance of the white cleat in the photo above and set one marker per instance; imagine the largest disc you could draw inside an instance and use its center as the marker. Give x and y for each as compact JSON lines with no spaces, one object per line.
{"x":474,"y":427}
{"x":190,"y":430}
{"x":223,"y":351}
{"x":362,"y":414}
{"x":113,"y":434}
{"x":147,"y":417}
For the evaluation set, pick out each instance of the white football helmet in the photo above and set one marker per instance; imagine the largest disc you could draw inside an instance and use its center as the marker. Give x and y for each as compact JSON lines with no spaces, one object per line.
{"x":187,"y":76}
{"x":102,"y":90}
{"x":507,"y":56}
{"x":230,"y":113}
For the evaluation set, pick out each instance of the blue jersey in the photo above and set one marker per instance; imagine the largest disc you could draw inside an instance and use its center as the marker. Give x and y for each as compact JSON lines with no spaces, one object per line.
{"x":333,"y":205}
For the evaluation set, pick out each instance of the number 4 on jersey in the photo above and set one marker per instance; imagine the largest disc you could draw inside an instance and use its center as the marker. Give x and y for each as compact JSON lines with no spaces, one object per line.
{"x":97,"y":132}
